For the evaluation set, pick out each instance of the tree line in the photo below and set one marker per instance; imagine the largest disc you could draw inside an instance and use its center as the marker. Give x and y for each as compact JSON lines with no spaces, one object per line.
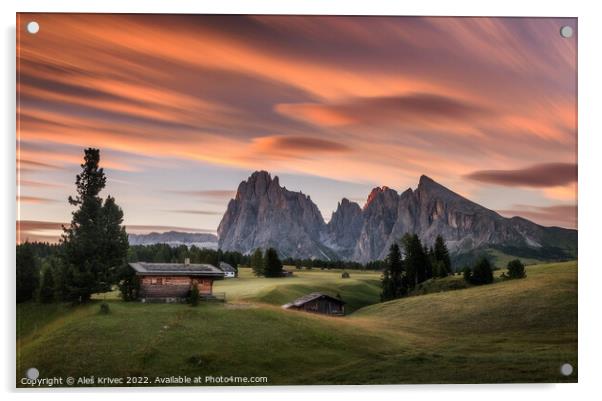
{"x":418,"y":264}
{"x":164,"y":253}
{"x":410,"y":263}
{"x":332,"y":264}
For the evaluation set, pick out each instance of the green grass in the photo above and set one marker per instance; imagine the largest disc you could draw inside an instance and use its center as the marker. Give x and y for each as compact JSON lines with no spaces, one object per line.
{"x":510,"y":331}
{"x":361,"y":289}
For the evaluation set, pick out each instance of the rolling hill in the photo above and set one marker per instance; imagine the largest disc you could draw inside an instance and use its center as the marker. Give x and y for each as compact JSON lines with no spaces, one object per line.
{"x":510,"y":331}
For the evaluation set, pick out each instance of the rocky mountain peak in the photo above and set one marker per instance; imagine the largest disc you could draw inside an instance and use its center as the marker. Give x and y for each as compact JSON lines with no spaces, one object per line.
{"x":264,"y":214}
{"x":383,"y":193}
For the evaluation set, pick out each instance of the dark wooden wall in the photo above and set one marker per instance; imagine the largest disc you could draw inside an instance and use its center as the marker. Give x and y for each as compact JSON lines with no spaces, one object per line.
{"x":172,"y":286}
{"x":325,"y":306}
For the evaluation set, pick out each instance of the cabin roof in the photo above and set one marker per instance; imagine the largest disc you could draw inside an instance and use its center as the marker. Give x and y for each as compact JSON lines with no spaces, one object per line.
{"x":177,"y":269}
{"x":226,"y":267}
{"x":311,"y":297}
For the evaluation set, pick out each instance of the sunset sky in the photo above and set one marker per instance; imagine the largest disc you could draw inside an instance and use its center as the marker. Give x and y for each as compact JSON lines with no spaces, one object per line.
{"x":185,"y":107}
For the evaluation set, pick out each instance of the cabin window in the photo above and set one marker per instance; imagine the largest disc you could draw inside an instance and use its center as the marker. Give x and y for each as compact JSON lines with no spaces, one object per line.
{"x":157,"y":280}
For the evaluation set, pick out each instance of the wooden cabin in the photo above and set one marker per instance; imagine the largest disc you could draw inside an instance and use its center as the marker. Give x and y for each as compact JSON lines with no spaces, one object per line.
{"x":173,"y":281}
{"x":317,"y":302}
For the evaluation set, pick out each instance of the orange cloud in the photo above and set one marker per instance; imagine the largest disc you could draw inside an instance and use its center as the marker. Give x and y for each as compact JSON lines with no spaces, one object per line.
{"x":361,"y":99}
{"x":34,"y":199}
{"x":555,"y":215}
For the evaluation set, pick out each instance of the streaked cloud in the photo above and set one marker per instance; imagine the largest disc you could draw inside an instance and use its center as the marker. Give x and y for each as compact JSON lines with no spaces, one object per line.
{"x":297,"y":146}
{"x":409,"y":109}
{"x":205,"y":193}
{"x":199,"y":212}
{"x":34,"y":199}
{"x":539,"y":175}
{"x":555,"y":215}
{"x":361,"y":100}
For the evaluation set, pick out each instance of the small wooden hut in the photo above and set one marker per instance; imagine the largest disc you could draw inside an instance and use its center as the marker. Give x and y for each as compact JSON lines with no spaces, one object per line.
{"x":173,"y":281}
{"x":318,"y":302}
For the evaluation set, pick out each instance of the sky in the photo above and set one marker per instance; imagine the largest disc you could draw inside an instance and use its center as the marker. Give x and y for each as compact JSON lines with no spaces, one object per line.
{"x":185,"y":107}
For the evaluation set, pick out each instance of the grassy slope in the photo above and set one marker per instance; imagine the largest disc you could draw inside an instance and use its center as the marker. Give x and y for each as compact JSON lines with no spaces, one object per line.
{"x":361,"y":289}
{"x":514,"y":331}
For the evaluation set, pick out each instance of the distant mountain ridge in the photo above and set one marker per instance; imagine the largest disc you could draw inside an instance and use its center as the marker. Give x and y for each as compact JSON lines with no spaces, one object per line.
{"x":264,"y":214}
{"x":175,"y":238}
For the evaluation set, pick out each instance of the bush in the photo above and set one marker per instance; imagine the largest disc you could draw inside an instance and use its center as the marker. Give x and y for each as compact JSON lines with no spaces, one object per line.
{"x":129,"y":283}
{"x":193,"y":298}
{"x":345,"y":275}
{"x":467,"y":273}
{"x":516,"y":269}
{"x":482,"y":273}
{"x":104,"y":308}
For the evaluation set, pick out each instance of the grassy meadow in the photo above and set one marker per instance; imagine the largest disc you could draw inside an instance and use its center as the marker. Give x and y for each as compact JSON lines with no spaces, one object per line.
{"x":509,"y":331}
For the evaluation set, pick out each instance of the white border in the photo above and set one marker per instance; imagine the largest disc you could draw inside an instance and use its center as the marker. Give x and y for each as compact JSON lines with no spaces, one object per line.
{"x":590,"y":67}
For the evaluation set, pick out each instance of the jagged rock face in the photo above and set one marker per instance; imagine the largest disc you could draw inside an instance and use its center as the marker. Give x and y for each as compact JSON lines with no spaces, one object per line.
{"x":380,"y":215}
{"x":263,"y":214}
{"x":344,"y":228}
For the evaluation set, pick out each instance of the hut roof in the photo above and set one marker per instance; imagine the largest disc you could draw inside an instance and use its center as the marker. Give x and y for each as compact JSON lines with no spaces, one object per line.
{"x":177,"y":269}
{"x":311,"y":297}
{"x":226,"y":267}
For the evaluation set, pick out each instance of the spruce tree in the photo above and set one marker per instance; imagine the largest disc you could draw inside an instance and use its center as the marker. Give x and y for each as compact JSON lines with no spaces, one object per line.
{"x":257,"y":262}
{"x":482,"y":272}
{"x":272,"y":264}
{"x":46,"y":293}
{"x":392,"y":283}
{"x":416,"y":260}
{"x":441,"y":255}
{"x":428,"y":263}
{"x":396,"y":266}
{"x":95,"y":243}
{"x":387,"y":290}
{"x":516,"y":269}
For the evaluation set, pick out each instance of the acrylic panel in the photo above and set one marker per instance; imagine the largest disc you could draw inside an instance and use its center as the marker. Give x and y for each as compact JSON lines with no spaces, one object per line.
{"x":295,"y":200}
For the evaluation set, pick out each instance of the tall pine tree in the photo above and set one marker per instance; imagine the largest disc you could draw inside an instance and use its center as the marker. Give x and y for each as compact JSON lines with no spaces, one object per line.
{"x":393,"y":282}
{"x":257,"y":262}
{"x":441,"y":256}
{"x":272,"y":264}
{"x":94,"y":244}
{"x":416,"y":260}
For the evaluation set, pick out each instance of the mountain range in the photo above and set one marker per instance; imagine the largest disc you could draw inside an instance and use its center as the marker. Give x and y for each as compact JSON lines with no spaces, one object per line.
{"x":264,"y":214}
{"x":175,"y":238}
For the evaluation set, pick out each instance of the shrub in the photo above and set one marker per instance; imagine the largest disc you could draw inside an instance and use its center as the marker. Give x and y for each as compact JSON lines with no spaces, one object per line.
{"x":467,"y":273}
{"x":482,"y":273}
{"x":516,"y":269}
{"x":129,"y":283}
{"x":193,"y":298}
{"x":345,"y":275}
{"x":104,"y":308}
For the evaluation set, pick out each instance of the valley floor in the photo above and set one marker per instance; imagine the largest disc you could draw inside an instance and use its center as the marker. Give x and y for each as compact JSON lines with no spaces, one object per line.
{"x":510,"y":331}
